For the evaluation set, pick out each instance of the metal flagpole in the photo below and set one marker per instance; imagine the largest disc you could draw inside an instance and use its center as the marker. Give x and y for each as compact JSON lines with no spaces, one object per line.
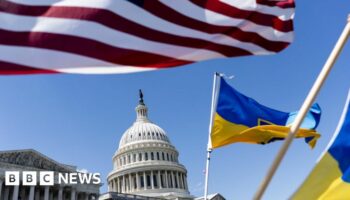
{"x":305,"y":108}
{"x":216,"y":86}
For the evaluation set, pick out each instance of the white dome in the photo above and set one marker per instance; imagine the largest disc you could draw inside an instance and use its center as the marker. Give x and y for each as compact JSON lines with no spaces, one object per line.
{"x":146,"y":163}
{"x":142,"y":131}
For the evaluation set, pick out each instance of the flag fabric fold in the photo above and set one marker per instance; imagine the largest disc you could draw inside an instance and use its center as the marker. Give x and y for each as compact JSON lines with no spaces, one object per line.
{"x":124,"y":36}
{"x":239,"y":118}
{"x":330,"y":178}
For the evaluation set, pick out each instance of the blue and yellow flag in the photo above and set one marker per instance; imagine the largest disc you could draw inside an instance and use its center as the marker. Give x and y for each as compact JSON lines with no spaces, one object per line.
{"x":330,"y":179}
{"x":241,"y":119}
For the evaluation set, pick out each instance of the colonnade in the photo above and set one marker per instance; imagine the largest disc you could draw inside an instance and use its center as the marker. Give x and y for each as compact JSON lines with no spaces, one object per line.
{"x":37,"y":192}
{"x":146,"y":180}
{"x":133,"y":157}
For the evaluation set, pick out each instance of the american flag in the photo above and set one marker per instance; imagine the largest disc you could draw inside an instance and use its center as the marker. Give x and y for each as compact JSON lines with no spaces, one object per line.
{"x":123,"y":36}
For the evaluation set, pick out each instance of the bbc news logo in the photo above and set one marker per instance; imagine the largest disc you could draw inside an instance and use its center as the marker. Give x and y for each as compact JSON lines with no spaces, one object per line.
{"x":47,"y":178}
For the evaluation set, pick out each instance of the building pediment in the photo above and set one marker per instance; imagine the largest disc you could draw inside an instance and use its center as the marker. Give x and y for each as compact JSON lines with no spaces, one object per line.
{"x":33,"y":159}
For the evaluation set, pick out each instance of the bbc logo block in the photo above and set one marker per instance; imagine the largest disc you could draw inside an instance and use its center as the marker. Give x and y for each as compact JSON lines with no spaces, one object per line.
{"x":29,"y":178}
{"x":47,"y":178}
{"x":12,"y":178}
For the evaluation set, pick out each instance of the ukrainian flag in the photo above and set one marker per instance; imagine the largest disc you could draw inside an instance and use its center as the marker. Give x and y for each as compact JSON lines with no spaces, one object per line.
{"x":241,"y":119}
{"x":330,"y":179}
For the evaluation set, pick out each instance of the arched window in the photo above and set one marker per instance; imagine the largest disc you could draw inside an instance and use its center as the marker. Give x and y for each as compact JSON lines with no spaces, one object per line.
{"x":152,"y":156}
{"x":167,"y":156}
{"x":134,"y":158}
{"x":157,"y":155}
{"x":146,"y":156}
{"x":163,"y":155}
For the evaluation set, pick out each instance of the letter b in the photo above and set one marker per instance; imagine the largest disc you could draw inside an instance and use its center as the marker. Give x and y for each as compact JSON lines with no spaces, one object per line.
{"x":29,"y":178}
{"x":12,"y":178}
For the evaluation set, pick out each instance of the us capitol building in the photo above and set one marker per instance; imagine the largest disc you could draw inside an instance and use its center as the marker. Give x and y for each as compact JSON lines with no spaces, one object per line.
{"x":146,"y":163}
{"x":145,"y":167}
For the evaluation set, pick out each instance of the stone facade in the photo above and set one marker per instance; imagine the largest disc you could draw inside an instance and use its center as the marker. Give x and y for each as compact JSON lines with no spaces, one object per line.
{"x":146,"y":163}
{"x":31,"y":160}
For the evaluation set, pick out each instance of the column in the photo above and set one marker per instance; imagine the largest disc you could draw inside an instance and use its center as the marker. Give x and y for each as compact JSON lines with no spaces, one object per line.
{"x":118,"y":184}
{"x":123,"y":185}
{"x":31,"y":192}
{"x":15,"y":192}
{"x":137,"y":181}
{"x":60,"y":193}
{"x":130,"y":186}
{"x":159,"y":180}
{"x":172,"y":179}
{"x":72,"y":194}
{"x":132,"y":183}
{"x":115,"y":189}
{"x":6,"y":193}
{"x":181,"y":181}
{"x":178,"y":180}
{"x":46,"y":193}
{"x":144,"y":181}
{"x":109,"y":186}
{"x":152,"y":183}
{"x":185,"y":182}
{"x":166,"y":180}
{"x":1,"y":181}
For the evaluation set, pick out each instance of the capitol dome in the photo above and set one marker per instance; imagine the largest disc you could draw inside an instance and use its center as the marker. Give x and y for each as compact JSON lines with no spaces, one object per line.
{"x":146,"y":163}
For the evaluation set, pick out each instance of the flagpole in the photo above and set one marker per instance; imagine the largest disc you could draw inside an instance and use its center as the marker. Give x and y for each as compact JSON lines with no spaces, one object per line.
{"x":305,"y":108}
{"x":216,"y":86}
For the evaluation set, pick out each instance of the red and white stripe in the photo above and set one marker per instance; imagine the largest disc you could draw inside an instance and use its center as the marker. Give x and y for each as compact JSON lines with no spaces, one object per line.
{"x":117,"y":36}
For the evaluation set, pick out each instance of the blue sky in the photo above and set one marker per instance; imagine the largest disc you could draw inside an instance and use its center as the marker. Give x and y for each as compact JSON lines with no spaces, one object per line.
{"x":79,"y":119}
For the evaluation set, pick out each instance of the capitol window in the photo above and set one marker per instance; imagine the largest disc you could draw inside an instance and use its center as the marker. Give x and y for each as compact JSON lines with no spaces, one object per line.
{"x":148,"y":180}
{"x":141,"y":180}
